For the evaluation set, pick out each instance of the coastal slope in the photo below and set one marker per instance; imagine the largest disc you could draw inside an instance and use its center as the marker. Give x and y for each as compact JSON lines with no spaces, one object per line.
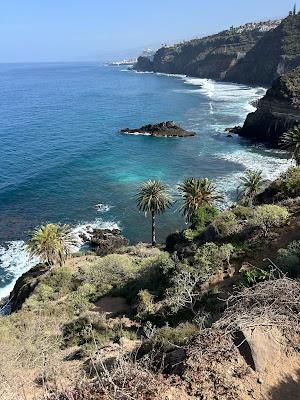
{"x":208,"y":57}
{"x":276,"y":53}
{"x":255,"y":53}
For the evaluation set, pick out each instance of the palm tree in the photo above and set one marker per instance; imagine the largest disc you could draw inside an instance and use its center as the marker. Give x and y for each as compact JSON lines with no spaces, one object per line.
{"x":291,"y":141}
{"x":196,"y":193}
{"x":251,"y":184}
{"x":153,"y":197}
{"x":52,"y":243}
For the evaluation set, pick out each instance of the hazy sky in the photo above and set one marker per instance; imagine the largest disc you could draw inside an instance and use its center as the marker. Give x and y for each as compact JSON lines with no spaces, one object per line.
{"x":71,"y":30}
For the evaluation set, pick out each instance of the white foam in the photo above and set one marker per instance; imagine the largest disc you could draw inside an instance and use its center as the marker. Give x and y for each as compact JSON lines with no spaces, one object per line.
{"x":100,"y":207}
{"x":15,"y":259}
{"x":138,"y":133}
{"x":270,"y":165}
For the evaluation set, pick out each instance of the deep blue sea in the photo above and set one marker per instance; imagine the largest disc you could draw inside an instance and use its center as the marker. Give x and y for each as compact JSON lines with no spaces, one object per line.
{"x":62,"y":152}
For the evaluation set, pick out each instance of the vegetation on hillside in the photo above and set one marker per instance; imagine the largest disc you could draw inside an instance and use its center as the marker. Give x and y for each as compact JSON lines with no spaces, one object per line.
{"x":141,"y":322}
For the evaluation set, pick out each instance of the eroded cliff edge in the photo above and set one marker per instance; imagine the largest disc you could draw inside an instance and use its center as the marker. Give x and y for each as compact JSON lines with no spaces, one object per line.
{"x":277,"y":111}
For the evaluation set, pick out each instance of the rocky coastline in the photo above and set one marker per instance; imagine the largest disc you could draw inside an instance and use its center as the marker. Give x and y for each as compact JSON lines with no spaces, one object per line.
{"x":277,"y":111}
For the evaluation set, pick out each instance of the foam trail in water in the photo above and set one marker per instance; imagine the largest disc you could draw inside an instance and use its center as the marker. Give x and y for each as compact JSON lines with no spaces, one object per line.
{"x":15,"y":259}
{"x":270,"y":165}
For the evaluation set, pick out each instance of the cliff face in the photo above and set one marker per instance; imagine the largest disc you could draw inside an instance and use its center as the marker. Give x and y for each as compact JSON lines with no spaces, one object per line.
{"x":251,"y":54}
{"x":276,"y":53}
{"x":277,"y":111}
{"x":210,"y":57}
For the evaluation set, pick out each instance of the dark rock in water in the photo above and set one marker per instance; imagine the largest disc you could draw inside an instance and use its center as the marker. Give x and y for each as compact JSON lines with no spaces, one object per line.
{"x":229,"y":136}
{"x":169,"y":129}
{"x":25,"y":285}
{"x":235,"y":129}
{"x":105,"y":241}
{"x":277,"y":111}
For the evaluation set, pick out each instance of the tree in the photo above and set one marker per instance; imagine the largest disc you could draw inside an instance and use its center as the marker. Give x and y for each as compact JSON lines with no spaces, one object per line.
{"x":251,"y":184}
{"x":291,"y":141}
{"x":153,"y":197}
{"x":196,"y":193}
{"x":52,"y":243}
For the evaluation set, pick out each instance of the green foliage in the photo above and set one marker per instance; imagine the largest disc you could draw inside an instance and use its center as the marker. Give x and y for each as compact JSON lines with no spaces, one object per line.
{"x":226,"y":224}
{"x":153,"y":274}
{"x":289,"y":182}
{"x":111,"y":272}
{"x":203,"y":216}
{"x":251,"y":184}
{"x":77,"y":302}
{"x":243,"y":213}
{"x":210,"y":258}
{"x":61,"y":280}
{"x":291,"y":141}
{"x":269,"y":216}
{"x":152,"y":197}
{"x":52,"y":243}
{"x":145,"y":307}
{"x":168,"y":338}
{"x":197,"y":193}
{"x":255,"y":276}
{"x":288,"y":260}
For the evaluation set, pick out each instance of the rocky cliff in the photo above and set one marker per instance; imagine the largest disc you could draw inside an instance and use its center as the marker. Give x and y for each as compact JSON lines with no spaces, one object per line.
{"x":209,"y":57}
{"x":277,"y":111}
{"x":276,"y":53}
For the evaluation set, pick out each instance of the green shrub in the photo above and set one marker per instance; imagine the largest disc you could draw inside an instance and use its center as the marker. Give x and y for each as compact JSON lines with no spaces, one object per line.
{"x":168,"y":338}
{"x":269,"y":216}
{"x":61,"y":280}
{"x":203,"y":217}
{"x":85,"y":328}
{"x":210,"y":258}
{"x":243,"y":213}
{"x":145,"y":306}
{"x":189,"y":234}
{"x":254,"y":276}
{"x":43,"y":292}
{"x":153,"y":274}
{"x":226,"y":224}
{"x":288,"y":260}
{"x":77,"y":302}
{"x":289,"y":182}
{"x":108,"y":273}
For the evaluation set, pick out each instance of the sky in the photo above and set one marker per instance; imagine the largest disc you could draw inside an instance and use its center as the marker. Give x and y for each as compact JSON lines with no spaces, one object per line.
{"x":101,"y":30}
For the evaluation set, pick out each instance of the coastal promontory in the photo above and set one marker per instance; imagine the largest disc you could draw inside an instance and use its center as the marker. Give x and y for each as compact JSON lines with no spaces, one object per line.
{"x":277,"y":111}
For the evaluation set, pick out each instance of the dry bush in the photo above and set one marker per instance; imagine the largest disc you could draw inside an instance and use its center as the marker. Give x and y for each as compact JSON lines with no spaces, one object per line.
{"x":270,"y":303}
{"x":29,"y":358}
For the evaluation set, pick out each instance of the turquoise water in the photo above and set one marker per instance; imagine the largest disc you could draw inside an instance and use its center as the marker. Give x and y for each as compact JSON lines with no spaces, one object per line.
{"x":61,"y":151}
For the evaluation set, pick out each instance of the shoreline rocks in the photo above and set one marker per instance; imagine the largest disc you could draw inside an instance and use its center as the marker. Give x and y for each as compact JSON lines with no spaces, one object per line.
{"x":162,"y":129}
{"x":277,"y":111}
{"x":106,"y":241}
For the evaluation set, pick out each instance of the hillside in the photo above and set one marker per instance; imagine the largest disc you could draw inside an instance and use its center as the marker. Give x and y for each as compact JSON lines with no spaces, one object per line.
{"x":206,"y":316}
{"x":276,"y":53}
{"x":277,"y":111}
{"x":252,"y":54}
{"x":208,"y":57}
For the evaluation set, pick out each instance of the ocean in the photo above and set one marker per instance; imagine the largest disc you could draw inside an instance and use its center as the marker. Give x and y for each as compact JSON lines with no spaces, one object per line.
{"x":62,"y":151}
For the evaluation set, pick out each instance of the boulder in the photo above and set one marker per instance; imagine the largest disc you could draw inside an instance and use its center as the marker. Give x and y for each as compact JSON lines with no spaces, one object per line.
{"x":106,"y":241}
{"x":25,"y":285}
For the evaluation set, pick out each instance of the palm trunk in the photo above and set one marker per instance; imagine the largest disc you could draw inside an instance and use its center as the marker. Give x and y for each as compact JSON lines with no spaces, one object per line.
{"x":153,"y":230}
